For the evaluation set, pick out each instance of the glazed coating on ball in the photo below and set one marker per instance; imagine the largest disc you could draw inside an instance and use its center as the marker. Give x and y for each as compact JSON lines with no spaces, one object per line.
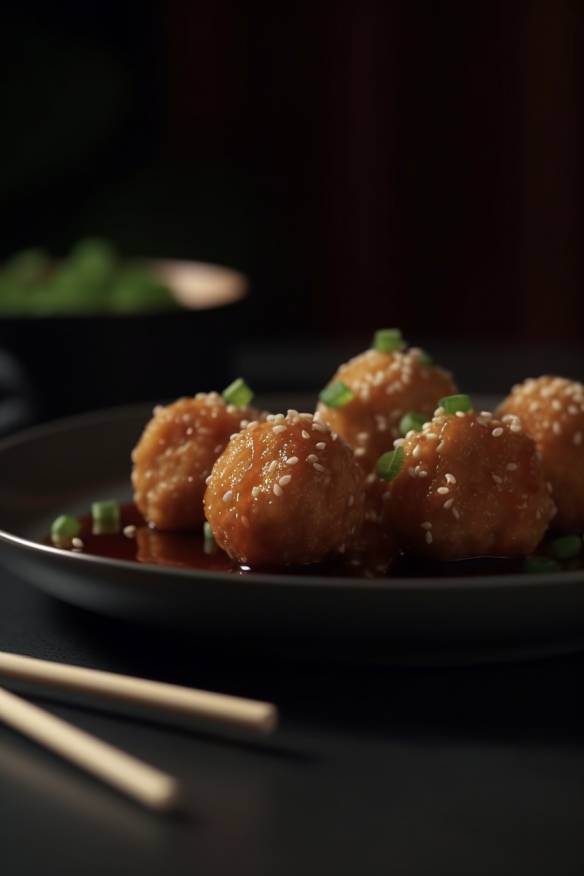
{"x":175,"y":455}
{"x":374,"y":545}
{"x":385,"y":386}
{"x":470,"y":485}
{"x":551,"y":410}
{"x":284,"y":492}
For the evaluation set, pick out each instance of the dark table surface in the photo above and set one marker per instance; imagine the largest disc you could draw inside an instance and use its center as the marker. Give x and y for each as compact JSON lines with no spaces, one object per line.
{"x":470,"y":770}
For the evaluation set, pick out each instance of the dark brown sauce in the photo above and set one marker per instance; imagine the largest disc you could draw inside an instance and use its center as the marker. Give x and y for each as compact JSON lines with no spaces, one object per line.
{"x":187,"y":550}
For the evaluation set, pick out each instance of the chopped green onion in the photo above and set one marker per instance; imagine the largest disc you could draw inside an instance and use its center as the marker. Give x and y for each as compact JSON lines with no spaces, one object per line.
{"x":426,"y":359}
{"x":538,"y":564}
{"x":238,"y":393}
{"x":209,"y":543}
{"x":64,"y":529}
{"x":454,"y":403}
{"x":388,"y":340}
{"x":106,"y":517}
{"x":336,"y":395}
{"x":566,"y":547}
{"x":389,"y":464}
{"x":411,"y":422}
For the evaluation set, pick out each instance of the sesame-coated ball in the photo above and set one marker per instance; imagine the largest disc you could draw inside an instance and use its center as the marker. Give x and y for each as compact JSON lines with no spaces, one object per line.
{"x":385,"y":386}
{"x":469,"y":485}
{"x":284,"y":492}
{"x":551,"y":410}
{"x":175,"y":455}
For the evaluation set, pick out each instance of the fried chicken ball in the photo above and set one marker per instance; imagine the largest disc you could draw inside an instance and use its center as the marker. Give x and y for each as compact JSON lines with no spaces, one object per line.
{"x":384,"y":387}
{"x":374,"y":545}
{"x":175,"y":455}
{"x":551,"y":411}
{"x":284,"y":492}
{"x":469,"y":485}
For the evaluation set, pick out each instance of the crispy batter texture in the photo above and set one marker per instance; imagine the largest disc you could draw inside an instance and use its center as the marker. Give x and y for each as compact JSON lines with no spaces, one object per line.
{"x":551,"y":410}
{"x":175,"y":455}
{"x":284,"y":492}
{"x":470,"y":485}
{"x":385,"y":386}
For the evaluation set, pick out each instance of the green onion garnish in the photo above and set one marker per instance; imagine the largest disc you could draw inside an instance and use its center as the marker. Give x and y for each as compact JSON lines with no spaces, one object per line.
{"x":209,"y":543}
{"x":106,"y":517}
{"x":538,"y":564}
{"x":64,"y":528}
{"x":238,"y":393}
{"x":566,"y":547}
{"x":411,"y":422}
{"x":454,"y":403}
{"x":336,"y":395}
{"x":426,"y":359}
{"x":389,"y":464}
{"x":388,"y":340}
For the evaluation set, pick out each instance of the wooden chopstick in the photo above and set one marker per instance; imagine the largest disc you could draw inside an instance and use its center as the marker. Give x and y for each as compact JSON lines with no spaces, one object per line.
{"x":144,"y":783}
{"x":250,"y":714}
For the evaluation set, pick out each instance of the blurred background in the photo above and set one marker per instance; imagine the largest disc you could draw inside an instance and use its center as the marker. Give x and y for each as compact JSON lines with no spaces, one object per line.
{"x":364,"y":164}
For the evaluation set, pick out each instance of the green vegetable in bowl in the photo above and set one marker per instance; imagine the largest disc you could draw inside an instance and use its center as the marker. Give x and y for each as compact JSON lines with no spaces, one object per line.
{"x":91,"y":280}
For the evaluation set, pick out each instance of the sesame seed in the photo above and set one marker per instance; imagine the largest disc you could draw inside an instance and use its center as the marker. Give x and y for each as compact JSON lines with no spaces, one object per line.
{"x":428,"y":537}
{"x":351,"y":501}
{"x":360,"y":451}
{"x":496,"y":478}
{"x":417,"y":451}
{"x":449,"y":503}
{"x":461,"y":414}
{"x":398,"y":442}
{"x":449,"y":478}
{"x":321,"y":445}
{"x":496,"y":433}
{"x":443,"y":491}
{"x":244,"y":520}
{"x":129,"y":531}
{"x":228,"y":496}
{"x":487,"y":414}
{"x":515,"y":427}
{"x":272,"y":466}
{"x":318,"y":466}
{"x":305,"y":435}
{"x":251,"y":425}
{"x":556,"y":428}
{"x":244,"y":424}
{"x":334,"y":436}
{"x":371,"y":478}
{"x":207,"y":479}
{"x":255,"y":491}
{"x":577,"y":439}
{"x":455,"y":513}
{"x":218,"y":448}
{"x":512,"y":466}
{"x":440,"y":447}
{"x":292,"y":460}
{"x":292,"y":412}
{"x":312,"y":457}
{"x":285,"y":480}
{"x":362,"y":437}
{"x":431,"y":436}
{"x":277,"y":490}
{"x":319,"y":427}
{"x":426,"y":525}
{"x":77,"y":543}
{"x":556,"y":405}
{"x":422,"y":473}
{"x":279,"y":429}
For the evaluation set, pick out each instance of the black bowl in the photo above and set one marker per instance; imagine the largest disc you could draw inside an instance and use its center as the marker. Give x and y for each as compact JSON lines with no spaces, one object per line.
{"x":78,"y":363}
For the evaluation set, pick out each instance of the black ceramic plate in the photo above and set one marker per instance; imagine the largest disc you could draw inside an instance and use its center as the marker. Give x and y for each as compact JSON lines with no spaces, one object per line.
{"x":62,"y":467}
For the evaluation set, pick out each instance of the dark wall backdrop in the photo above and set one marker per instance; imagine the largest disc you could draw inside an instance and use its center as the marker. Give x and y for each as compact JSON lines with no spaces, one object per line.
{"x":409,"y":163}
